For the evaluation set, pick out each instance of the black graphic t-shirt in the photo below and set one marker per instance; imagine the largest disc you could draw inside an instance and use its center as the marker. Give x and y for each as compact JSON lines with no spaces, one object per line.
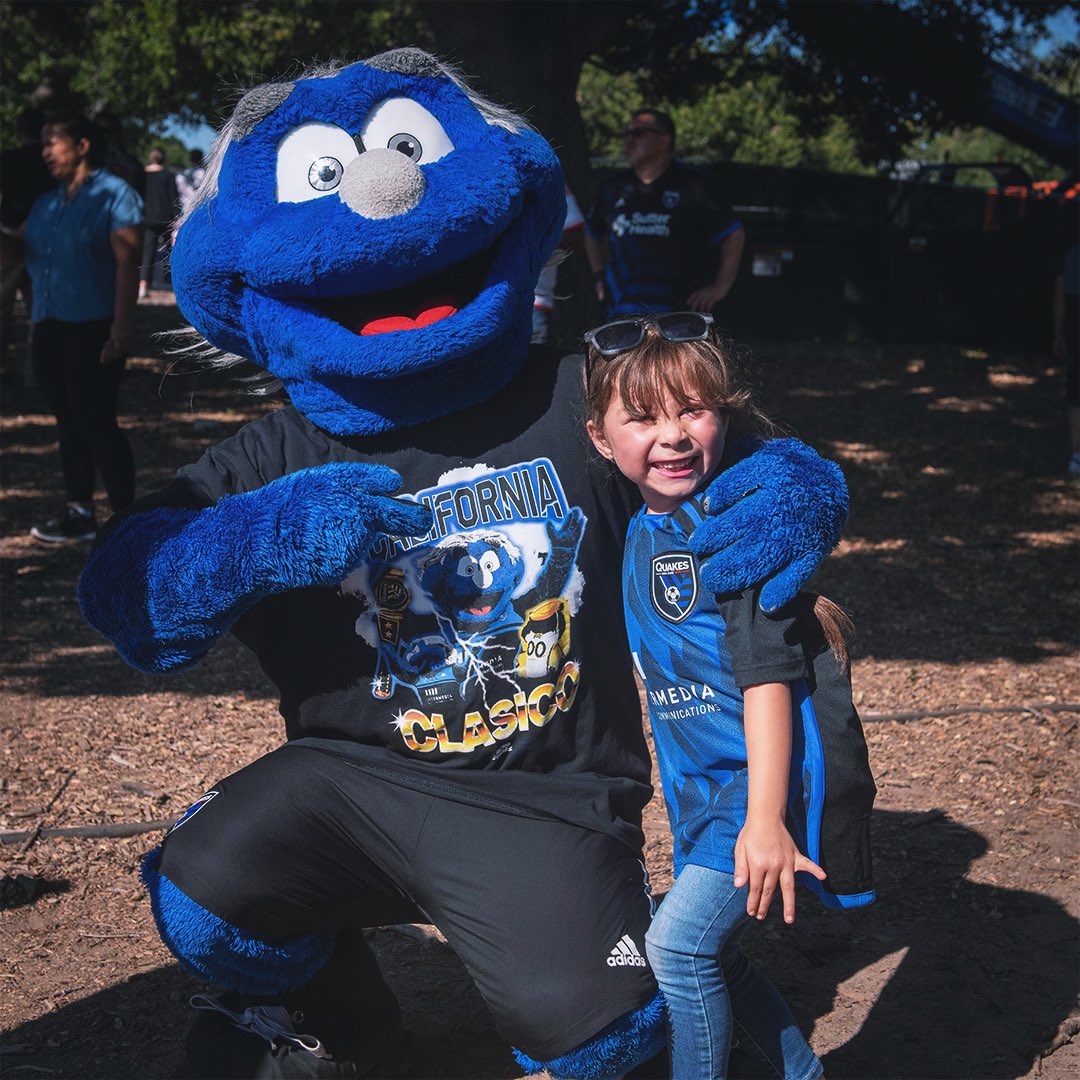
{"x":487,"y":660}
{"x":662,"y":237}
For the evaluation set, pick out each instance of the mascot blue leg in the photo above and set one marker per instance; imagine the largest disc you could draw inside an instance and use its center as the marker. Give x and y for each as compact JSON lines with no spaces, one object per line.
{"x":327,"y":983}
{"x":613,"y":1052}
{"x":224,"y":955}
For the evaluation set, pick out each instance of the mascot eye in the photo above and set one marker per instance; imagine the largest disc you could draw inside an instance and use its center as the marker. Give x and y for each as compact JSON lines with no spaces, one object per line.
{"x":325,"y":174}
{"x":490,"y":562}
{"x":311,"y":160}
{"x":406,"y":126}
{"x":406,"y":144}
{"x":466,"y":567}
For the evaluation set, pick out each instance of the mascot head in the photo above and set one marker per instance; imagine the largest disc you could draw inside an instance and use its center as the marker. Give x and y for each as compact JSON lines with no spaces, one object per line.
{"x":471,"y":578}
{"x":371,"y":236}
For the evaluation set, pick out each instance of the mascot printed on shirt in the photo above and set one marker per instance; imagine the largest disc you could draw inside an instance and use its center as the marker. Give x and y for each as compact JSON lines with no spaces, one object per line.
{"x":448,"y":611}
{"x":451,"y":659}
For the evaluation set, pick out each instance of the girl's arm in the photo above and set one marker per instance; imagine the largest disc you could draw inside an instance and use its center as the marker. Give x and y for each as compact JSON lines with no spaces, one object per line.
{"x":765,"y":854}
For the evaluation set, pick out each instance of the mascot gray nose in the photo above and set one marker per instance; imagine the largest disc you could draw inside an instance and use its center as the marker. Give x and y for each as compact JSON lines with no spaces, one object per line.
{"x":382,"y":184}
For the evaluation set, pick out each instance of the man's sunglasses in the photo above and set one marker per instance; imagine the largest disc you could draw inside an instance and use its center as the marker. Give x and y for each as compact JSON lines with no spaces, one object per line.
{"x":637,"y":132}
{"x":617,"y":337}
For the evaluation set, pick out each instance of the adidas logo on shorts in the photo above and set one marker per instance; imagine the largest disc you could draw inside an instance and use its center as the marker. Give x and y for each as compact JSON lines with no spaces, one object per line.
{"x":625,"y":954}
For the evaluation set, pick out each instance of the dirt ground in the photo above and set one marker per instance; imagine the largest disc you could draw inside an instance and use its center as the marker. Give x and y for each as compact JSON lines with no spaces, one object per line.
{"x":960,"y":569}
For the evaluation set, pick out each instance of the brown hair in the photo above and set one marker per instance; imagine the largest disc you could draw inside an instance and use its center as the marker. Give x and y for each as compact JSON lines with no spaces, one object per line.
{"x":837,"y":627}
{"x":694,"y":373}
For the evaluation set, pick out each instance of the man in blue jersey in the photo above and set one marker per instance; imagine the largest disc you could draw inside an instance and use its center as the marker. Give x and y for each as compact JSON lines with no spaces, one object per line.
{"x":658,"y":238}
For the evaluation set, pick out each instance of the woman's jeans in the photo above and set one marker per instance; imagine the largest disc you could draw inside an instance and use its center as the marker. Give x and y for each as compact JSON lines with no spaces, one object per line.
{"x":693,"y":947}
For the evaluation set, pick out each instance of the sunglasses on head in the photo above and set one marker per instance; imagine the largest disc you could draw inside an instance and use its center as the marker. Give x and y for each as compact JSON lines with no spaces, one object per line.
{"x":617,"y":337}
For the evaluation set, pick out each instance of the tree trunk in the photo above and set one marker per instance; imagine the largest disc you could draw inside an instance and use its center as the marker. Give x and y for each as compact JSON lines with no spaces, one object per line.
{"x":529,"y":56}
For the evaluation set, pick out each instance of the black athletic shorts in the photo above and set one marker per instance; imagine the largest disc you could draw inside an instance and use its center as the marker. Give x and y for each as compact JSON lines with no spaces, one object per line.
{"x":548,"y":917}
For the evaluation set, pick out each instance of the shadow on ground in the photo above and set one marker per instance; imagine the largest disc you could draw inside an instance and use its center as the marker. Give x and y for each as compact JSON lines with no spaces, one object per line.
{"x":986,"y":977}
{"x":136,"y":1029}
{"x":987,"y":974}
{"x":959,"y":543}
{"x":958,"y":549}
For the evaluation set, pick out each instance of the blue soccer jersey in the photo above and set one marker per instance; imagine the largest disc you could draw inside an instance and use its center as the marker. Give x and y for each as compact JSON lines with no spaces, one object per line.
{"x":696,"y":652}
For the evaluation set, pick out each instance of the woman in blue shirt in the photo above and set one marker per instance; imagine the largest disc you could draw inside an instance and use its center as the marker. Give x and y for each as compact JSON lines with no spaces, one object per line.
{"x":82,"y":243}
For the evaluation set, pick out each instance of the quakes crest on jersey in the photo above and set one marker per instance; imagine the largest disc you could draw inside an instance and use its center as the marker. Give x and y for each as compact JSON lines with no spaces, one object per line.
{"x":674,"y":584}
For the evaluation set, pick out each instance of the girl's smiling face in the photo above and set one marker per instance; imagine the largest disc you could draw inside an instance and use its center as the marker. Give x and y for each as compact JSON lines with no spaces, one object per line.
{"x":669,"y":452}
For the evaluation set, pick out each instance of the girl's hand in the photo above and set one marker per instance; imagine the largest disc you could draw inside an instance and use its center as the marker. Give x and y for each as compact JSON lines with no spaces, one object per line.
{"x":766,"y":856}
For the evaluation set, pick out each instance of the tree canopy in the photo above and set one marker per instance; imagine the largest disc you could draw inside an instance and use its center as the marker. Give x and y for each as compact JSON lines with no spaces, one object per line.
{"x":842,"y":83}
{"x":147,"y":60}
{"x":749,"y":118}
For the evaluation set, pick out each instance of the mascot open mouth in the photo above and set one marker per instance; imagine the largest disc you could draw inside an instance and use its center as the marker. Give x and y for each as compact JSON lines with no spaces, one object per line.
{"x":481,"y":606}
{"x":412,"y":306}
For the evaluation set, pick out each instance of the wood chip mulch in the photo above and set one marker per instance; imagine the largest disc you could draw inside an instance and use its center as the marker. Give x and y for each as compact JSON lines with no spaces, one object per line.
{"x":959,"y":566}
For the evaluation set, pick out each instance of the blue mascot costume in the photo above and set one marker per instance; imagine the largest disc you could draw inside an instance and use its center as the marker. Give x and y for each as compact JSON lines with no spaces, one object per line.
{"x":426,"y":560}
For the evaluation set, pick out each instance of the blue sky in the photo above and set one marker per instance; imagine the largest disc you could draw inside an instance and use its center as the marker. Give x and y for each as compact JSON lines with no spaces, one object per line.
{"x":199,"y":137}
{"x":1065,"y":26}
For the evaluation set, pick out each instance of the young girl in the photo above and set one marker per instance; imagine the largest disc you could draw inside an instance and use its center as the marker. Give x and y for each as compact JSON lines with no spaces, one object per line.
{"x":751,"y":713}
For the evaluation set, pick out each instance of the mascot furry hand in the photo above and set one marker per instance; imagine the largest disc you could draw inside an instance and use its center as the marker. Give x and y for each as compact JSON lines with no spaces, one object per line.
{"x":370,"y":236}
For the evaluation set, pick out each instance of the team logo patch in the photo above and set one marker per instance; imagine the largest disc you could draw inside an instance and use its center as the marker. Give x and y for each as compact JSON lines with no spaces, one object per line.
{"x":670,"y":199}
{"x":674,"y":585}
{"x":191,"y":811}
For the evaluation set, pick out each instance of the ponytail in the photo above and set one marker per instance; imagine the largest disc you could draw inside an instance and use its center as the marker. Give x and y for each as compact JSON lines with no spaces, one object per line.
{"x":836,"y":625}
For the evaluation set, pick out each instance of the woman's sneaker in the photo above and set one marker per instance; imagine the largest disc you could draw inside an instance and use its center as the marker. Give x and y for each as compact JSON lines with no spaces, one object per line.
{"x":72,"y":525}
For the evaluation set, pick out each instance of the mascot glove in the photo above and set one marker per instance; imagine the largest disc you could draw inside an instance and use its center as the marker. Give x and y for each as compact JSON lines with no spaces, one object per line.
{"x":773,"y":516}
{"x":314,"y":527}
{"x":166,"y":583}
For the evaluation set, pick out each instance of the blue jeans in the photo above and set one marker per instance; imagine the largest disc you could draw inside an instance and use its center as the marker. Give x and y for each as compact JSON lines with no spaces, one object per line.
{"x":693,"y":947}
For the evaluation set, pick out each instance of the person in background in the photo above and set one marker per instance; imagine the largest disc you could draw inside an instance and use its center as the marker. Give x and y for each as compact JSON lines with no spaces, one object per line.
{"x":81,"y":242}
{"x":162,"y":208}
{"x":751,"y":713}
{"x":189,"y":180}
{"x":658,"y":238}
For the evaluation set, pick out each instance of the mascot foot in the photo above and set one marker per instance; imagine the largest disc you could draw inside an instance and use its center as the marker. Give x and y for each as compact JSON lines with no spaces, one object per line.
{"x":230,"y":1041}
{"x":345,"y":1022}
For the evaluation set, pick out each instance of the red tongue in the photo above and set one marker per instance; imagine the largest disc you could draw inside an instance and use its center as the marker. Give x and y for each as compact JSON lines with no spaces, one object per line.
{"x":438,"y":308}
